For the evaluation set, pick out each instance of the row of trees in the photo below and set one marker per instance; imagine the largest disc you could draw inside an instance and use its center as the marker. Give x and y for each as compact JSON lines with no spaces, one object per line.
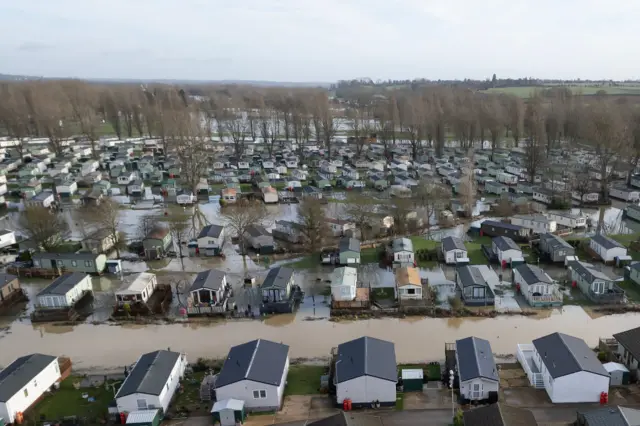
{"x":422,"y":116}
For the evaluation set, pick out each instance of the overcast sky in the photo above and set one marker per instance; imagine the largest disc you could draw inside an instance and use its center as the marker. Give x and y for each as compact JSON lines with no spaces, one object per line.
{"x":320,"y":40}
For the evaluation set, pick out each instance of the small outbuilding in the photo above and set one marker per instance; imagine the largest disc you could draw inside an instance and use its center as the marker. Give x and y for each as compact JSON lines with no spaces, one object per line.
{"x":412,"y":380}
{"x":228,"y":412}
{"x":618,"y":373}
{"x":349,"y":251}
{"x":144,"y":418}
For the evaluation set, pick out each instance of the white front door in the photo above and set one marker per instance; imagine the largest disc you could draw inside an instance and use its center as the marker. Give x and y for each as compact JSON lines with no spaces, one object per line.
{"x":476,"y":391}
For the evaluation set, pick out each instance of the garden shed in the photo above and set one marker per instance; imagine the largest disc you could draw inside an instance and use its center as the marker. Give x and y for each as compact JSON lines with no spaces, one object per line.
{"x":412,"y":380}
{"x":228,"y":412}
{"x":144,"y":418}
{"x":618,"y":373}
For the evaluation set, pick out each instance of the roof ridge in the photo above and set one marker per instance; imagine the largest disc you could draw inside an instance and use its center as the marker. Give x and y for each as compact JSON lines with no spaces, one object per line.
{"x":146,"y":373}
{"x":366,"y":357}
{"x":253,"y":355}
{"x":573,"y":356}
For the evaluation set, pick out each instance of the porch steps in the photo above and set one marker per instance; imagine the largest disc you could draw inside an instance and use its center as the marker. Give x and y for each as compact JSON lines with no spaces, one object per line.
{"x":538,"y":383}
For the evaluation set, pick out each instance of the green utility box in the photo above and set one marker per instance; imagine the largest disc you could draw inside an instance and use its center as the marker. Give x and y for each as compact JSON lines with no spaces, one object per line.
{"x":412,"y":380}
{"x":228,"y":412}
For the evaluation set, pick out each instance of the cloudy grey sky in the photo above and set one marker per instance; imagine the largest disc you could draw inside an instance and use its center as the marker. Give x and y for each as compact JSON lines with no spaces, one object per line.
{"x":320,"y":40}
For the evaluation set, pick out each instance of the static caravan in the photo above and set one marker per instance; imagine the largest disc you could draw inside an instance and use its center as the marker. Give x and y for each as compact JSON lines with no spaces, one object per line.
{"x":568,"y":220}
{"x":476,"y":369}
{"x":625,"y":193}
{"x":507,"y":178}
{"x":139,"y":289}
{"x":632,"y":211}
{"x":64,"y":291}
{"x":344,"y":283}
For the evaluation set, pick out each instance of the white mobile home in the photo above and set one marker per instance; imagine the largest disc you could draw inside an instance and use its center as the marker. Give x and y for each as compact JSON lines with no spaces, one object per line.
{"x":454,"y":251}
{"x":625,"y":193}
{"x":211,"y":240}
{"x":607,"y":248}
{"x":538,"y":223}
{"x":476,"y":369}
{"x":507,"y":178}
{"x":506,"y":249}
{"x":256,"y":373}
{"x":64,"y":291}
{"x":536,"y":286}
{"x":138,"y":289}
{"x":24,"y":381}
{"x":570,"y":370}
{"x":567,"y":219}
{"x":366,"y":372}
{"x":152,"y":382}
{"x":344,"y":283}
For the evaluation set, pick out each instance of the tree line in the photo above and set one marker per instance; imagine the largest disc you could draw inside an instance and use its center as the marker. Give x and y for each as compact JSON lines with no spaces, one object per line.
{"x":421,"y":116}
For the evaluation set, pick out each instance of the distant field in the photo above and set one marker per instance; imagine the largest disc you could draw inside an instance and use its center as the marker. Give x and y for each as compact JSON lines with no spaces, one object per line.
{"x":527,"y":91}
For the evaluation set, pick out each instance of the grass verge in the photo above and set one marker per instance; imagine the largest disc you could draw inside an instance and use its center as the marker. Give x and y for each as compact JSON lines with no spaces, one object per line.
{"x":304,"y":379}
{"x":68,"y":401}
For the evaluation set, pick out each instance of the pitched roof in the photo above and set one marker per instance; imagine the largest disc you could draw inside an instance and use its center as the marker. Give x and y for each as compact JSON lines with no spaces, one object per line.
{"x":150,"y":374}
{"x":506,"y":243}
{"x":212,"y":231}
{"x":257,"y":231}
{"x":64,"y":256}
{"x":20,"y":372}
{"x":588,"y":271}
{"x":277,"y":277}
{"x":532,"y":274}
{"x":606,"y":242}
{"x":402,"y":244}
{"x":555,"y":241}
{"x":348,"y":419}
{"x":611,"y":416}
{"x":349,"y":244}
{"x":210,"y":279}
{"x":63,"y":284}
{"x":366,"y":356}
{"x":407,"y":276}
{"x":470,"y":276}
{"x":261,"y":361}
{"x":498,"y":415}
{"x":6,"y":279}
{"x":503,"y":225}
{"x":630,"y":340}
{"x":452,"y":243}
{"x":158,"y":233}
{"x":563,"y":355}
{"x":475,"y":359}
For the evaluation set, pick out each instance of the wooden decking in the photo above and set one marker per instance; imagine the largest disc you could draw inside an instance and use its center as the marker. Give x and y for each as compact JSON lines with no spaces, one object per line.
{"x":75,"y":313}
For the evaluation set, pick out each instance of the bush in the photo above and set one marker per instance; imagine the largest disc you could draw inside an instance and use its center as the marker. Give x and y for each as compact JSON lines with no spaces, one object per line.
{"x":455,"y":303}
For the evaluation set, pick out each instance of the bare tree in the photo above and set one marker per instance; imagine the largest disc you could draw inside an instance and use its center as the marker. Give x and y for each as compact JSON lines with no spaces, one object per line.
{"x":604,"y":127}
{"x":581,"y":183}
{"x":105,"y":217}
{"x":313,"y":224}
{"x":516,"y":111}
{"x":49,"y":108}
{"x":432,"y":197}
{"x":237,"y":126}
{"x":534,"y":124}
{"x":146,"y":225}
{"x":359,"y":209}
{"x":14,"y":115}
{"x":324,"y":121}
{"x":83,"y":99}
{"x":467,"y":188}
{"x":400,"y":210}
{"x":46,"y":229}
{"x":242,"y":215}
{"x":179,"y":228}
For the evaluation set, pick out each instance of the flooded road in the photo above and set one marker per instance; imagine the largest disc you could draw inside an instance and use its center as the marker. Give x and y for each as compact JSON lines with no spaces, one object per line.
{"x":105,"y":346}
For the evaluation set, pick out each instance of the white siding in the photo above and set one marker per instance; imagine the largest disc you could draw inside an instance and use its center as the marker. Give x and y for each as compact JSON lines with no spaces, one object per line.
{"x":34,"y":390}
{"x":484,"y":386}
{"x":452,"y":255}
{"x":243,"y":391}
{"x":509,"y":254}
{"x":578,"y":387}
{"x":366,"y":389}
{"x":607,"y":255}
{"x":129,"y":403}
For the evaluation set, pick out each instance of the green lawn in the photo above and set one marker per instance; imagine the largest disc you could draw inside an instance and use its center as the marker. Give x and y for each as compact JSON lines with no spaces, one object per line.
{"x":474,"y":250}
{"x":190,"y":398}
{"x":68,"y":401}
{"x":527,"y":91}
{"x":631,"y":289}
{"x":420,"y":243}
{"x":369,"y":255}
{"x":304,"y":379}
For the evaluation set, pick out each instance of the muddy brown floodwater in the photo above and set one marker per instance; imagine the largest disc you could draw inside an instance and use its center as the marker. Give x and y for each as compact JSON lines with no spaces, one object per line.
{"x":105,"y":346}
